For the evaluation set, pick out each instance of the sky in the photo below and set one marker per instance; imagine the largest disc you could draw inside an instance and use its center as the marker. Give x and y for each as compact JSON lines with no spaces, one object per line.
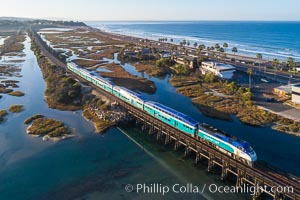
{"x":124,"y":10}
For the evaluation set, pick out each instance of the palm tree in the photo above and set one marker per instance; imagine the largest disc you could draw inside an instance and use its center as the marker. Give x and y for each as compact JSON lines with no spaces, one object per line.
{"x":234,"y":50}
{"x":249,"y":71}
{"x":290,"y":62}
{"x":221,"y":50}
{"x":225,"y":45}
{"x":259,"y":57}
{"x":195,"y":44}
{"x":217,"y":46}
{"x":173,"y":48}
{"x":275,"y":64}
{"x":171,"y":40}
{"x":200,"y":48}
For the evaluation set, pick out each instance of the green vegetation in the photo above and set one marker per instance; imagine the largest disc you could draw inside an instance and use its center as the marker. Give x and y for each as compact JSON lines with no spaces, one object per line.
{"x":179,"y":81}
{"x":210,"y":78}
{"x":291,"y":63}
{"x":16,"y":93}
{"x":234,"y":50}
{"x":164,"y":62}
{"x":14,"y":43}
{"x":100,"y":124}
{"x":150,"y":69}
{"x":288,"y":126}
{"x":2,"y":114}
{"x":181,"y":69}
{"x":15,"y":108}
{"x":51,"y":127}
{"x":62,"y":92}
{"x":123,"y":78}
{"x":221,"y":99}
{"x":32,"y":118}
{"x":5,"y":90}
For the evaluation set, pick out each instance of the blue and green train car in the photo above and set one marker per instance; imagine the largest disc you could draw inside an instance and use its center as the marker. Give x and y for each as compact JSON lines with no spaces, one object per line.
{"x":129,"y":96}
{"x":172,"y":117}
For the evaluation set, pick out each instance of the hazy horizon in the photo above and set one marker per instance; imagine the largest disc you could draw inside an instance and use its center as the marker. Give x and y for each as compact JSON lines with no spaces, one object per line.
{"x":154,"y":10}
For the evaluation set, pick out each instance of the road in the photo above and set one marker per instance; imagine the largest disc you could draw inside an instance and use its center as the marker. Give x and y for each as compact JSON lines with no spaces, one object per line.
{"x":276,"y":176}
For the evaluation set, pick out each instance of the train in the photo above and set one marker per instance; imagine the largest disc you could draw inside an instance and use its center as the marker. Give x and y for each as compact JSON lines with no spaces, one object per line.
{"x":229,"y":144}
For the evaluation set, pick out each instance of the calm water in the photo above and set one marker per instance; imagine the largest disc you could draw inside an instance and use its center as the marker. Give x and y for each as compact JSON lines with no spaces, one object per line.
{"x":89,"y":166}
{"x":94,"y":166}
{"x":272,"y":39}
{"x":272,"y":146}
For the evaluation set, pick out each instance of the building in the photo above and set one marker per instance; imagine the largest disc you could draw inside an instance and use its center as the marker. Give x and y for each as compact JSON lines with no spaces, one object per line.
{"x":165,"y":54}
{"x":296,"y":93}
{"x":219,"y":69}
{"x":283,"y":90}
{"x":191,"y":62}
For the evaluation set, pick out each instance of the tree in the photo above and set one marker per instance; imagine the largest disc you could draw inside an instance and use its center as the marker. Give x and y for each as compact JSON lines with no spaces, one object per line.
{"x":184,"y":42}
{"x":234,"y":50}
{"x":249,"y":71}
{"x":171,"y":40}
{"x":188,"y":43}
{"x":275,"y":64}
{"x":200,"y":48}
{"x":221,"y":50}
{"x":291,"y":63}
{"x":173,"y":48}
{"x":181,"y":69}
{"x":217,"y":46}
{"x":195,"y":44}
{"x":210,"y":78}
{"x":225,"y":45}
{"x":259,"y":57}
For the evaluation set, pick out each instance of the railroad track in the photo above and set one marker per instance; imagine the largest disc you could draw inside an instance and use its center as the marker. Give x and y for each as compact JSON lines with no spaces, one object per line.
{"x":262,"y":170}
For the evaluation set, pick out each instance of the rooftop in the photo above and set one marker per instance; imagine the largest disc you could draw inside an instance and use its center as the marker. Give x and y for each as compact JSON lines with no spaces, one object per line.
{"x":218,"y":66}
{"x":286,"y":88}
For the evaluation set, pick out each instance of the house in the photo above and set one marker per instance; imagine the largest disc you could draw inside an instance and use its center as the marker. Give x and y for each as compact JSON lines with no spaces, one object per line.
{"x":222,"y":70}
{"x":130,"y":53}
{"x":165,"y":54}
{"x":145,"y":51}
{"x":296,"y":93}
{"x":191,"y":62}
{"x":283,"y":90}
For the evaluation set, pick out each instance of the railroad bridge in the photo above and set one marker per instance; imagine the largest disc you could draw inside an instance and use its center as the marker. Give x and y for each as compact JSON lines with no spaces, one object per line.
{"x":244,"y":173}
{"x":258,"y":176}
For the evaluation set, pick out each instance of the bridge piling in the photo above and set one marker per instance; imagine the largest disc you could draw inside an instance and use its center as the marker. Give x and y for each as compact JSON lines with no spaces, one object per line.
{"x":210,"y":164}
{"x":224,"y":170}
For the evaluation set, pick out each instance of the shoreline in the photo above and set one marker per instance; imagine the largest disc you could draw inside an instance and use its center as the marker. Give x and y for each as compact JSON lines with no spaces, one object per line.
{"x":257,"y":118}
{"x":46,"y":137}
{"x":251,"y":52}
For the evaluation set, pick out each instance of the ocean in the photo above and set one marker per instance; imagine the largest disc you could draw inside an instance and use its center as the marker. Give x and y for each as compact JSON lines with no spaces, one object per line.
{"x":271,"y":39}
